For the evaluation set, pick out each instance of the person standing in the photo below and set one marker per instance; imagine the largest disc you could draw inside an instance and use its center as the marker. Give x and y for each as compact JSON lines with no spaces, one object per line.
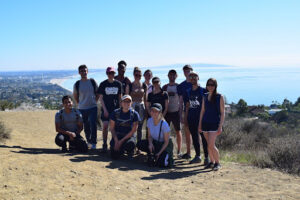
{"x":123,"y":124}
{"x":173,"y":108}
{"x":194,"y":98}
{"x":158,"y":96}
{"x":211,"y":121}
{"x":85,"y":95}
{"x":110,"y":93}
{"x":138,"y":91}
{"x":68,"y":125}
{"x":121,"y":75}
{"x":148,"y":77}
{"x":182,"y":88}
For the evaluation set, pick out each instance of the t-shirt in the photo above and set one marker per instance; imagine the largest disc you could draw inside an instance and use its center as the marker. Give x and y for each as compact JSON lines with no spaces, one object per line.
{"x":149,"y":87}
{"x":68,"y":121}
{"x":87,"y":97}
{"x":183,"y":87}
{"x":124,"y":121}
{"x":172,"y":91}
{"x":160,"y":98}
{"x":124,"y":83}
{"x":194,"y":97}
{"x":154,"y":130}
{"x":110,"y":92}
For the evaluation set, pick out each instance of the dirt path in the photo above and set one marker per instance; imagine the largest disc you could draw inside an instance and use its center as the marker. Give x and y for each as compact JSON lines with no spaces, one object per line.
{"x":32,"y":167}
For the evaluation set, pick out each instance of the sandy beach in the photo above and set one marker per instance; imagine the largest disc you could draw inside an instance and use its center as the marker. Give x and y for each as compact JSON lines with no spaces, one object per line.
{"x":32,"y":167}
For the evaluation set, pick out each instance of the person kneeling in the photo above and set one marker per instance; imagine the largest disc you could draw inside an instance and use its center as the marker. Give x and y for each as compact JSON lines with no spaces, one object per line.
{"x":69,"y":124}
{"x":159,"y":145}
{"x":123,"y":124}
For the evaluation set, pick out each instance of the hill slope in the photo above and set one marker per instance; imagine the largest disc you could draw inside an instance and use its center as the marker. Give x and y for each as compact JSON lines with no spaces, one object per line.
{"x":32,"y":167}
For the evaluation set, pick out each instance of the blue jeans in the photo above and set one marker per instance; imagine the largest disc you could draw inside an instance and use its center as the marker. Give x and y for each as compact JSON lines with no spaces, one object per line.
{"x":89,"y":117}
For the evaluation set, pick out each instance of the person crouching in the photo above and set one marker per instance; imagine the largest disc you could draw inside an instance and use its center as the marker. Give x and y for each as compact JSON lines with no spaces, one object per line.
{"x":159,"y":145}
{"x":123,"y":124}
{"x":69,"y":124}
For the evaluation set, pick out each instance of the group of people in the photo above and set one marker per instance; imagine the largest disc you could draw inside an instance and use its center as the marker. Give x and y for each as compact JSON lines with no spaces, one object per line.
{"x":126,"y":105}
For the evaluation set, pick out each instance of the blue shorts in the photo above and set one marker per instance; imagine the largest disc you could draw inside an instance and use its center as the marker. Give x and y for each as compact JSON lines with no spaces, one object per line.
{"x":210,"y":127}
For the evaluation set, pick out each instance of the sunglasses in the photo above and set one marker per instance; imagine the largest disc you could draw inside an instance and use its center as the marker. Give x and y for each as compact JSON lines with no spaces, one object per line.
{"x":126,"y":101}
{"x":138,"y":75}
{"x":212,"y":85}
{"x":194,"y":77}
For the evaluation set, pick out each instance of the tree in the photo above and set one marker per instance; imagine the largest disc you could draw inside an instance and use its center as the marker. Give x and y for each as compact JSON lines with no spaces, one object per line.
{"x":287,"y":104}
{"x":242,"y":107}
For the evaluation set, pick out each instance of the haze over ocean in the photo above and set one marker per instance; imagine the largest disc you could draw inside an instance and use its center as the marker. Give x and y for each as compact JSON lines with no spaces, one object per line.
{"x":254,"y":85}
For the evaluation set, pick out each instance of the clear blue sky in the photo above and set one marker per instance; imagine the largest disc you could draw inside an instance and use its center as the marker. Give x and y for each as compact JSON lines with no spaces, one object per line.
{"x":63,"y":34}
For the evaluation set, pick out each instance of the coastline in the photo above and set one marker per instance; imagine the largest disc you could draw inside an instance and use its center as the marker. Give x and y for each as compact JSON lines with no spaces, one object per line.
{"x":60,"y":81}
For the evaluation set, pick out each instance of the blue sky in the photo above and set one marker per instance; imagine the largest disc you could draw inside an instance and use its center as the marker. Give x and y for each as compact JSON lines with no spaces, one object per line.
{"x":63,"y":34}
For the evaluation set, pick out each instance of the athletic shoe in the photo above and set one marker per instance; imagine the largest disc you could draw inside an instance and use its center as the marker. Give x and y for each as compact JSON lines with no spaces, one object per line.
{"x":89,"y":145}
{"x":179,"y":155}
{"x":93,"y":146}
{"x":196,"y":159}
{"x":186,"y":156}
{"x":209,"y":165}
{"x":206,"y":161}
{"x":217,"y":166}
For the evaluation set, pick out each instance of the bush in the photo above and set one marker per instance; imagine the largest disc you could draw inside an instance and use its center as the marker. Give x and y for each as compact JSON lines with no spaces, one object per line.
{"x":4,"y":132}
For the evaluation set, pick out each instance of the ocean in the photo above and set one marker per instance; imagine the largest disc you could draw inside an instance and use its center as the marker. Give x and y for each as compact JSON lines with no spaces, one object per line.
{"x":256,"y":86}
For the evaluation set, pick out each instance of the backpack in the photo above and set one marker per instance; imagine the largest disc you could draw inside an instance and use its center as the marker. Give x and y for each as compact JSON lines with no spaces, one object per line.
{"x":118,"y":113}
{"x":93,"y":83}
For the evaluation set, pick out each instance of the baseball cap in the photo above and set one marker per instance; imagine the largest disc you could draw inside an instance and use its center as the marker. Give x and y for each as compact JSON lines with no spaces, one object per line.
{"x":192,"y":73}
{"x":110,"y":69}
{"x":126,"y":97}
{"x":156,"y":106}
{"x":185,"y":67}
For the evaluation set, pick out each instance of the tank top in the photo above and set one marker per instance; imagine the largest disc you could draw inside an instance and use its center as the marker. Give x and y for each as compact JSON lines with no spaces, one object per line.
{"x":212,"y":110}
{"x":137,"y":92}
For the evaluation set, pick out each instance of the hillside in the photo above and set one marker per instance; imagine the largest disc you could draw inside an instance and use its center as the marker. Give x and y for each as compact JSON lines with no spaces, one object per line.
{"x":32,"y":167}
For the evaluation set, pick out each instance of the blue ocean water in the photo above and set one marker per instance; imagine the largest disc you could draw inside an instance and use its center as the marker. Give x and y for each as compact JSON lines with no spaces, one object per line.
{"x":254,"y":85}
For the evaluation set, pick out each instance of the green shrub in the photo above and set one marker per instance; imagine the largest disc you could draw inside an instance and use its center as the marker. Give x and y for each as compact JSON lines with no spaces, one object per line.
{"x":4,"y":132}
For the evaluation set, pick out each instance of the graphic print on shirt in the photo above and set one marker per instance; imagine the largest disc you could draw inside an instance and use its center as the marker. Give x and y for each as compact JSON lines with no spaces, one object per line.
{"x":194,"y":102}
{"x":111,"y":90}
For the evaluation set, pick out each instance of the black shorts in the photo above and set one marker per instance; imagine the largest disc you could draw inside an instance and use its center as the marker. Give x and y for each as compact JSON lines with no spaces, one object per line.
{"x":174,"y":118}
{"x":210,"y":127}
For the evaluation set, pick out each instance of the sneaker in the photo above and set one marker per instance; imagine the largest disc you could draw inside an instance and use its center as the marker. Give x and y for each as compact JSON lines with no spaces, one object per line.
{"x":209,"y":165}
{"x":89,"y":145}
{"x":93,"y":146}
{"x":217,"y":166}
{"x":186,"y":156}
{"x":206,"y":161}
{"x":179,"y":155}
{"x":196,"y":159}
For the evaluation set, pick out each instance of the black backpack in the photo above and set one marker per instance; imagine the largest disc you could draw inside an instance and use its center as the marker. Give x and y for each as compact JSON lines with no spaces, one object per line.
{"x":93,"y":83}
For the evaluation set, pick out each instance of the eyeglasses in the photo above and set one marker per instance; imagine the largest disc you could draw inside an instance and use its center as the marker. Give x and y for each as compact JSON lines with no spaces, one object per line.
{"x":211,"y":85}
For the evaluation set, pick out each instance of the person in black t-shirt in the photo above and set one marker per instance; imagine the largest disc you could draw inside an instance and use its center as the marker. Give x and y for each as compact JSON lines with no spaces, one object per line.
{"x":121,"y":75}
{"x":110,"y":92}
{"x":158,"y":96}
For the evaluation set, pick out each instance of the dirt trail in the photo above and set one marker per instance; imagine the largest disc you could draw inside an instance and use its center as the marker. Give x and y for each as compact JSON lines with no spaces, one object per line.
{"x":32,"y":167}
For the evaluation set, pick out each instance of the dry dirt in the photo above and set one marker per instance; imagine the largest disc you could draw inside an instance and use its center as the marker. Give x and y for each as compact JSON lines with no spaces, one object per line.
{"x":32,"y":167}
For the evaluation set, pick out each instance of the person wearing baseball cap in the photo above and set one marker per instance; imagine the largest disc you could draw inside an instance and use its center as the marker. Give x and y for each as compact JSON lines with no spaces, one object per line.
{"x":123,"y":124}
{"x":110,"y":93}
{"x":159,"y":142}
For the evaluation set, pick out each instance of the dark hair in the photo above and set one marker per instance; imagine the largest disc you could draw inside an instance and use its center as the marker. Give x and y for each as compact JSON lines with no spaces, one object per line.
{"x":82,"y":67}
{"x":66,"y":97}
{"x":136,"y":69}
{"x":147,"y":71}
{"x":214,"y":94}
{"x":187,"y":67}
{"x":122,"y":62}
{"x":173,"y":71}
